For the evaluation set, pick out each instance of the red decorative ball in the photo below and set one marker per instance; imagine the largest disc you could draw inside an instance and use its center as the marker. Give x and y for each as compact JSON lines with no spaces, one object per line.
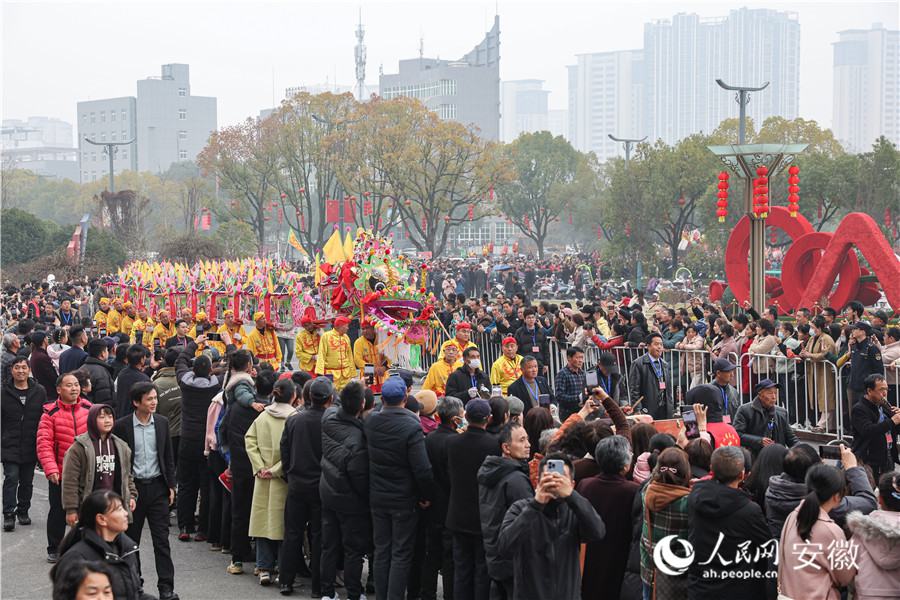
{"x":284,"y":195}
{"x":762,"y":171}
{"x":793,"y":189}
{"x":793,"y":180}
{"x":793,"y":169}
{"x":722,"y":185}
{"x":793,"y":198}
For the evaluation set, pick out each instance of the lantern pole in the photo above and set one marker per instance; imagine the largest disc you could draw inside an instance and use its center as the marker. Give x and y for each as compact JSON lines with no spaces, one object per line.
{"x":110,"y":149}
{"x":628,"y":143}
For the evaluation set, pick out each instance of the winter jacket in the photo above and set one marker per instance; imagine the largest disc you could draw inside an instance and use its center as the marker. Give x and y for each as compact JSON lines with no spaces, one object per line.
{"x":101,"y":381}
{"x":527,"y":340}
{"x":501,"y":482}
{"x":645,"y":382}
{"x":714,"y":509}
{"x":878,"y":537}
{"x":59,"y":425}
{"x":460,"y":381}
{"x":301,"y":450}
{"x":196,"y":393}
{"x":465,"y":455}
{"x":692,"y":359}
{"x":344,"y":485}
{"x":55,"y":351}
{"x":889,"y":354}
{"x":752,"y":424}
{"x":544,"y":543}
{"x":80,"y":467}
{"x":6,"y":360}
{"x":127,"y":378}
{"x":399,"y":469}
{"x":822,"y":579}
{"x":436,"y":449}
{"x":169,"y":396}
{"x":120,"y":556}
{"x":19,"y":422}
{"x":44,"y":372}
{"x":631,"y":582}
{"x":665,"y":514}
{"x":784,"y":495}
{"x":72,"y":359}
{"x":764,"y":366}
{"x":263,"y":442}
{"x":869,"y":441}
{"x":240,"y":394}
{"x":725,"y":348}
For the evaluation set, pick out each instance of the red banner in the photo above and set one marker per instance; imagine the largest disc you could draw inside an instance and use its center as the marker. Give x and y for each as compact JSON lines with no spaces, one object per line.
{"x":331,"y":211}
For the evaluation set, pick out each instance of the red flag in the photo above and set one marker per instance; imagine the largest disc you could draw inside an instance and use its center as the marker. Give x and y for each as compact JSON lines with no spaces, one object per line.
{"x":331,"y":211}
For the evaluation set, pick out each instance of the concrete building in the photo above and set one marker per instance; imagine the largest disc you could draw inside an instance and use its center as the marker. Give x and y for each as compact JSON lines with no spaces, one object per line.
{"x":465,"y":90}
{"x":866,"y":94}
{"x":523,"y":108}
{"x":41,"y":145}
{"x":605,"y":97}
{"x":167,"y":123}
{"x":558,"y":122}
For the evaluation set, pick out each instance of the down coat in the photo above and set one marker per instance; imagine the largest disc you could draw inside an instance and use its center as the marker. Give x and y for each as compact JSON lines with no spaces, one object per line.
{"x":878,"y":536}
{"x":19,"y":422}
{"x":344,"y":485}
{"x":59,"y":425}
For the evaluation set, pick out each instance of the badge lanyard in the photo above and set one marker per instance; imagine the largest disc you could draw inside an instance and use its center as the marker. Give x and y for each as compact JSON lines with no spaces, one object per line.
{"x":534,"y":394}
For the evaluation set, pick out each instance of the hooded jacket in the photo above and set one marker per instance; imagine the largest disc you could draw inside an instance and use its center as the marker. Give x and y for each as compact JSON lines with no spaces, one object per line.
{"x":784,"y":495}
{"x":101,"y":381}
{"x":344,"y":485}
{"x":501,"y":482}
{"x":878,"y":536}
{"x":120,"y":555}
{"x":19,"y":421}
{"x":714,"y":509}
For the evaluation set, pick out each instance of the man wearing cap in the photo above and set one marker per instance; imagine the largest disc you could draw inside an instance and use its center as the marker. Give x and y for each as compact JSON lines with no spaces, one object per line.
{"x":762,"y":422}
{"x":365,"y":352}
{"x":128,"y":318}
{"x":461,"y":341}
{"x":114,"y":317}
{"x":466,"y":452}
{"x":262,"y":342}
{"x":865,"y":359}
{"x":723,"y":383}
{"x":506,"y":369}
{"x":101,"y":316}
{"x":301,"y":458}
{"x":400,"y":485}
{"x":335,"y":356}
{"x":469,"y":380}
{"x":164,"y":329}
{"x":306,"y":344}
{"x":611,"y":379}
{"x":436,"y":380}
{"x":235,"y":331}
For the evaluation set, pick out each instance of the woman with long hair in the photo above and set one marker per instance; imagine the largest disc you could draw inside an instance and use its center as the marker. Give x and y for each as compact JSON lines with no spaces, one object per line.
{"x":809,"y":526}
{"x":768,"y":463}
{"x":100,"y":535}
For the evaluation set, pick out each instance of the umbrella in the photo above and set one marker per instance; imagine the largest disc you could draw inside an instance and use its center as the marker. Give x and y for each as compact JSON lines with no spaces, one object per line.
{"x":501,"y":268}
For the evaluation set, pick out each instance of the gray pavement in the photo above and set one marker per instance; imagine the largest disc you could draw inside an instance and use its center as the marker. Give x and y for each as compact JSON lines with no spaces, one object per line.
{"x":199,"y":573}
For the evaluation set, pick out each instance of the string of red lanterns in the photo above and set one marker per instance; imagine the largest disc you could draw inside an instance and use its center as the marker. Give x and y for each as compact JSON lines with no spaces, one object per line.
{"x":722,"y":203}
{"x":793,"y":190}
{"x":761,"y":193}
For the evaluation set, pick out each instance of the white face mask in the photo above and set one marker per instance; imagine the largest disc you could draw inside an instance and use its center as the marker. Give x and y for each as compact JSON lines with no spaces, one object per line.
{"x":475,"y":363}
{"x":812,"y":331}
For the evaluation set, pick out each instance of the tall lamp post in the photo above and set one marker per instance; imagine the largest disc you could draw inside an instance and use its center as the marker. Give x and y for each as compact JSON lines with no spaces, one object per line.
{"x":628,"y":143}
{"x":110,"y":149}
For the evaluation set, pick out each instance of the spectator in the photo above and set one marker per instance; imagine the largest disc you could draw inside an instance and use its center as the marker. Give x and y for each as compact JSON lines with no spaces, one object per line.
{"x":651,"y":381}
{"x":169,"y":406}
{"x":570,"y":383}
{"x":807,"y":524}
{"x":21,"y":407}
{"x":890,"y":355}
{"x":263,"y":442}
{"x":83,"y":579}
{"x":59,"y":345}
{"x":130,"y":375}
{"x":75,"y":356}
{"x":11,"y":347}
{"x":768,"y":463}
{"x":763,"y":422}
{"x":429,"y":401}
{"x":100,"y":372}
{"x":726,"y":347}
{"x":42,"y":368}
{"x":469,"y":381}
{"x":502,"y":480}
{"x":820,"y":376}
{"x":60,"y":423}
{"x":875,"y":427}
{"x":879,"y":544}
{"x":530,"y":386}
{"x":532,"y":341}
{"x":516,"y":408}
{"x":543,"y":536}
{"x":722,"y":385}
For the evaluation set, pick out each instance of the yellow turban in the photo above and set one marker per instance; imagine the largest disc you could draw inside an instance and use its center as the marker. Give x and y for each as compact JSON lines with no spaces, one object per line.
{"x":129,"y":303}
{"x":200,"y":316}
{"x":258,"y":315}
{"x":102,"y":300}
{"x":228,"y":312}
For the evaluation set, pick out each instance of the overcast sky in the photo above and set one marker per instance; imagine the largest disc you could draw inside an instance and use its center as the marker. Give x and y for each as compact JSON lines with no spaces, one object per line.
{"x":58,"y":53}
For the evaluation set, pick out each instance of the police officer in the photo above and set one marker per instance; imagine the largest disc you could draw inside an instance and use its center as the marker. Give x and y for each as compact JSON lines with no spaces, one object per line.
{"x":865,"y":359}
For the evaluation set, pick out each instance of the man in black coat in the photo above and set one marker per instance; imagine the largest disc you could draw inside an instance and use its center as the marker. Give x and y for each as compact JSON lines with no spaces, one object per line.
{"x":400,"y":484}
{"x":21,"y":407}
{"x":101,"y":373}
{"x":761,"y":422}
{"x":651,"y":379}
{"x":153,"y":466}
{"x":344,"y":490}
{"x":438,"y":539}
{"x":874,"y":420}
{"x":134,"y":373}
{"x":465,"y":455}
{"x":301,"y":456}
{"x":75,"y":356}
{"x":502,"y":480}
{"x":532,"y":341}
{"x":529,"y":387}
{"x":463,"y":380}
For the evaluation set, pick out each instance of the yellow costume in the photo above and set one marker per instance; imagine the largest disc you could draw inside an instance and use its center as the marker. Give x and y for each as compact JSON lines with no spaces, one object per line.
{"x":100,"y":319}
{"x":127,"y":324}
{"x":505,"y":371}
{"x":336,"y":358}
{"x":455,"y":342}
{"x":162,"y":333}
{"x":306,"y":347}
{"x":113,"y":322}
{"x":264,"y":346}
{"x":364,"y":352}
{"x":144,"y":329}
{"x":436,"y":380}
{"x":235,"y":329}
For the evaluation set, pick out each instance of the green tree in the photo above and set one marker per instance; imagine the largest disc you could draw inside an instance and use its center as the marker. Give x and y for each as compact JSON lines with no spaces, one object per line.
{"x":236,"y":239}
{"x":24,"y":236}
{"x":189,"y":248}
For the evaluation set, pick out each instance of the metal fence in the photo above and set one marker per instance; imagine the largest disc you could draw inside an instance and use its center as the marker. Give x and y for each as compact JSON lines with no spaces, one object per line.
{"x":814,"y":392}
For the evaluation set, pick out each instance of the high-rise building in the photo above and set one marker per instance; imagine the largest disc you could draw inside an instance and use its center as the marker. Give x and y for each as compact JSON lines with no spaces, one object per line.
{"x":167,"y":123}
{"x":523,"y":108}
{"x":866,"y":94}
{"x":465,"y":90}
{"x":41,"y":145}
{"x":684,"y":55}
{"x":605,"y":97}
{"x":558,"y":122}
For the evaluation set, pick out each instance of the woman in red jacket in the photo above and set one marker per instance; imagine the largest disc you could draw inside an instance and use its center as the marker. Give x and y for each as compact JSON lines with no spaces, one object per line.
{"x":61,"y":422}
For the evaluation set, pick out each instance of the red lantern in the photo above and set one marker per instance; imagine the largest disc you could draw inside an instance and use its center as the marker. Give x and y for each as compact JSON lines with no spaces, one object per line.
{"x":302,"y":190}
{"x":774,"y":237}
{"x":793,"y":190}
{"x":366,"y":194}
{"x":491,"y":195}
{"x":471,"y":211}
{"x":598,"y":234}
{"x":424,"y":224}
{"x":887,"y":217}
{"x":284,"y":195}
{"x":233,"y":203}
{"x":302,"y":222}
{"x":760,"y":193}
{"x":681,"y":202}
{"x":793,"y":170}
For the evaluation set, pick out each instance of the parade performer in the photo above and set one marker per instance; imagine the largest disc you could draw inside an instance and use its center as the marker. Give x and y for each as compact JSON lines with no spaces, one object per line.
{"x":507,"y":368}
{"x":306,"y":344}
{"x":365,"y":352}
{"x":262,"y":342}
{"x":100,"y":318}
{"x":461,"y":341}
{"x":114,"y":317}
{"x":436,"y":380}
{"x":128,"y":318}
{"x":335,"y":356}
{"x":143,"y":328}
{"x":164,"y":329}
{"x":231,"y":327}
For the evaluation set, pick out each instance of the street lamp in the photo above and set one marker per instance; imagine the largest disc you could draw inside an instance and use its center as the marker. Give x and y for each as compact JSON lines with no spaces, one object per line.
{"x":628,"y":144}
{"x":110,"y":150}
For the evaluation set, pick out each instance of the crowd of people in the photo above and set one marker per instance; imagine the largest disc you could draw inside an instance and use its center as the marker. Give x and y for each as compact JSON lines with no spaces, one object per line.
{"x":309,"y":454}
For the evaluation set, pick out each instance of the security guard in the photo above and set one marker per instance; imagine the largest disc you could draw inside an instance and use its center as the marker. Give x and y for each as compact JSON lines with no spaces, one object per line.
{"x":865,"y":359}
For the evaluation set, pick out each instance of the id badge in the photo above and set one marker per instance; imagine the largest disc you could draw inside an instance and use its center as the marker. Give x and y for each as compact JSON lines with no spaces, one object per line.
{"x":662,"y":385}
{"x":726,"y":419}
{"x":535,"y":349}
{"x":889,"y":438}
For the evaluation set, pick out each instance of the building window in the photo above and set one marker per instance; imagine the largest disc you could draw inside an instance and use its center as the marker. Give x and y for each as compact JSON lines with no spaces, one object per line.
{"x":103,"y":116}
{"x":124,"y":115}
{"x":182,"y":154}
{"x":112,"y":136}
{"x":182,"y":114}
{"x":84,"y":119}
{"x":93,"y":119}
{"x":182,"y":135}
{"x":84,"y":157}
{"x":112,"y":116}
{"x":182,"y":92}
{"x":93,"y":157}
{"x":124,"y":135}
{"x":124,"y":154}
{"x":102,"y":136}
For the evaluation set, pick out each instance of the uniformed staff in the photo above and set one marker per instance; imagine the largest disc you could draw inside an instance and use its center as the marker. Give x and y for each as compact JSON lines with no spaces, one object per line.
{"x":262,"y":342}
{"x":335,"y":356}
{"x":865,"y":359}
{"x":461,"y":341}
{"x":365,"y":352}
{"x":507,"y":368}
{"x":436,"y":380}
{"x":306,"y":345}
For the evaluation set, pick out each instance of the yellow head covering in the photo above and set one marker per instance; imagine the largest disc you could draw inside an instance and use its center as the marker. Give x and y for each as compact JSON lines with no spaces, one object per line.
{"x":258,"y":315}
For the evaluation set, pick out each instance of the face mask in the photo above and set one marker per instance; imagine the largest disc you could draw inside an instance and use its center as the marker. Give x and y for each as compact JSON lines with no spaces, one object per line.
{"x":780,"y":335}
{"x":475,"y":363}
{"x":462,"y":424}
{"x":812,"y":331}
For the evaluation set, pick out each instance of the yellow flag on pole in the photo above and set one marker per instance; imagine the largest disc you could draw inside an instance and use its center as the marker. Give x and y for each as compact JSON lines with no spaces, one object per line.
{"x":334,"y":249}
{"x":348,"y":247}
{"x":293,"y":241}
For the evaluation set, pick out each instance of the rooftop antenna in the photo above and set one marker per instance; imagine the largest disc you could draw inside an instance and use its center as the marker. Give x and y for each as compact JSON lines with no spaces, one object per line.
{"x":360,"y":54}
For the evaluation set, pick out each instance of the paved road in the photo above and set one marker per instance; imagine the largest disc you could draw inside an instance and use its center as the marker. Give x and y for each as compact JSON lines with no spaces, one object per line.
{"x":199,"y":573}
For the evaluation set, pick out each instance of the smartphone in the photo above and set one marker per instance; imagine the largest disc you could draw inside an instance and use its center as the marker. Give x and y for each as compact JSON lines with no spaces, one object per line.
{"x":591,"y":381}
{"x":214,"y":337}
{"x":691,"y":429}
{"x":830,"y":452}
{"x":556,"y":466}
{"x":157,"y":350}
{"x":103,"y":332}
{"x":544,"y":400}
{"x":369,"y":374}
{"x":138,"y":337}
